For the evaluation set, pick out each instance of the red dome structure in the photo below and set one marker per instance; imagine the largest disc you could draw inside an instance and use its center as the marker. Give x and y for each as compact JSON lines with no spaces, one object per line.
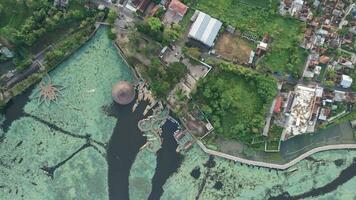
{"x":123,"y":93}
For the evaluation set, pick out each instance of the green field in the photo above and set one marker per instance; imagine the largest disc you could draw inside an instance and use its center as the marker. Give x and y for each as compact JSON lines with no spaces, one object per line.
{"x":284,"y":54}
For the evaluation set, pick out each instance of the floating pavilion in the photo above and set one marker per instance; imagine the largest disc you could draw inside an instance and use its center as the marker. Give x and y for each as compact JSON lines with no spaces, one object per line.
{"x":123,"y":93}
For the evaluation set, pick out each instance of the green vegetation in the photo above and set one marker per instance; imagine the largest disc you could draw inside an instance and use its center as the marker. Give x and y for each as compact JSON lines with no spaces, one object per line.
{"x":353,"y":76}
{"x":164,"y":79}
{"x":275,"y":133}
{"x":41,"y":22}
{"x":20,"y":87}
{"x":112,"y":15}
{"x":236,"y":100}
{"x":28,"y":26}
{"x":72,"y":42}
{"x":154,"y":28}
{"x":272,"y":146}
{"x":14,"y":13}
{"x":284,"y":55}
{"x":171,"y":33}
{"x":346,"y":118}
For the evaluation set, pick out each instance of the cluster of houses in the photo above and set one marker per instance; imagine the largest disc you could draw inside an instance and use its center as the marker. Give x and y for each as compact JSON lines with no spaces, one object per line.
{"x":322,"y":37}
{"x":310,"y":104}
{"x":315,"y":103}
{"x":204,"y":28}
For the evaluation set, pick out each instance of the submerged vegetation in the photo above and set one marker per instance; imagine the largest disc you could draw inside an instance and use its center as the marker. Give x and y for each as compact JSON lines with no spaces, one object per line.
{"x":236,"y":100}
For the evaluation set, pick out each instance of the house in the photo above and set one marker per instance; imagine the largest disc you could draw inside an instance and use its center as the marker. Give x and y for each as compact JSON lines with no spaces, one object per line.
{"x":278,"y":105}
{"x":346,"y":81}
{"x":140,"y":5}
{"x":339,"y":96}
{"x":353,"y":123}
{"x":324,"y":114}
{"x":261,"y":48}
{"x":324,"y":59}
{"x":175,"y":12}
{"x":296,"y":6}
{"x":204,"y":29}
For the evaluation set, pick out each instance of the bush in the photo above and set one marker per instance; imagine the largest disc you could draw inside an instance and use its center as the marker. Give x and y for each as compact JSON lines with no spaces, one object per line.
{"x":112,"y":16}
{"x":112,"y":34}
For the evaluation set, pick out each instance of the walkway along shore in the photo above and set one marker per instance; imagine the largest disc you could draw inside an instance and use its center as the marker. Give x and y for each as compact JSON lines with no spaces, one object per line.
{"x":276,"y":166}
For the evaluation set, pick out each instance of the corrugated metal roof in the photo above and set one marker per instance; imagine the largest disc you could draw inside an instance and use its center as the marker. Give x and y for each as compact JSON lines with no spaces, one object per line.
{"x":205,"y":29}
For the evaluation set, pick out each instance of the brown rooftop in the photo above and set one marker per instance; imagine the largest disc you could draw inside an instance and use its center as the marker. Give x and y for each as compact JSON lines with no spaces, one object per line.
{"x":123,"y":93}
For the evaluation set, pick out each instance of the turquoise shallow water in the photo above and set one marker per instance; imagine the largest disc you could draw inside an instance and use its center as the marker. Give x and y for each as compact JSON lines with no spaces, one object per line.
{"x":42,"y":138}
{"x":246,"y":182}
{"x":47,"y":135}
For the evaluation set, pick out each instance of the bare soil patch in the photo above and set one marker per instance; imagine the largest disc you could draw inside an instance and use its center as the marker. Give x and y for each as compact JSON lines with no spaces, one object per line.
{"x":233,"y":48}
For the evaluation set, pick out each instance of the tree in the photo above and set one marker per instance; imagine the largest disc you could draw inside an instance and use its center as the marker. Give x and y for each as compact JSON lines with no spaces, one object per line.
{"x":170,"y":35}
{"x":329,"y":84}
{"x":155,"y":24}
{"x":156,"y":1}
{"x":330,"y":74}
{"x":1,"y":8}
{"x":112,"y":34}
{"x":225,"y":96}
{"x":112,"y":16}
{"x":160,"y":12}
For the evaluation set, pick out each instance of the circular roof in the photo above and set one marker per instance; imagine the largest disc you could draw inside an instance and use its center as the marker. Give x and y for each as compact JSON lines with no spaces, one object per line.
{"x":123,"y":93}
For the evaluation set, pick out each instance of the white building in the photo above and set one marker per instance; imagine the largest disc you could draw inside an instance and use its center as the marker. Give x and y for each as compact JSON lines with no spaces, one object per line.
{"x":296,"y":6}
{"x":61,"y":3}
{"x":301,"y":112}
{"x":346,"y":81}
{"x":205,"y":28}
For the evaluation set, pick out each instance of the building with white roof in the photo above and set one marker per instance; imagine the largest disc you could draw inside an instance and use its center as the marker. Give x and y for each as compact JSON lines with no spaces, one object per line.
{"x":301,"y":113}
{"x":204,"y":29}
{"x":346,"y":81}
{"x":296,"y":6}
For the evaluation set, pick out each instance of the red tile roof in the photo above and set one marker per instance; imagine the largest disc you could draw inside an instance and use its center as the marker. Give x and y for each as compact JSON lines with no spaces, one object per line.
{"x":178,"y":7}
{"x":278,"y":105}
{"x":324,"y":59}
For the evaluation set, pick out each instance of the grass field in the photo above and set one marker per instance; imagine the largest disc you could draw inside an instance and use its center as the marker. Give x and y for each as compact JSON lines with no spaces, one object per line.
{"x":285,"y":32}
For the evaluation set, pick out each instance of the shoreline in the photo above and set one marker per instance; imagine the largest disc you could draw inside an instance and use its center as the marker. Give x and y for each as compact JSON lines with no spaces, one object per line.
{"x":274,"y":165}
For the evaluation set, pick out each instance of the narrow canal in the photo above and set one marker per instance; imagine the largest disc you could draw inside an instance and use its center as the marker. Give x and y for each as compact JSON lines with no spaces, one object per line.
{"x":345,"y":175}
{"x":126,"y":141}
{"x":124,"y":145}
{"x":14,"y":108}
{"x":168,"y":160}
